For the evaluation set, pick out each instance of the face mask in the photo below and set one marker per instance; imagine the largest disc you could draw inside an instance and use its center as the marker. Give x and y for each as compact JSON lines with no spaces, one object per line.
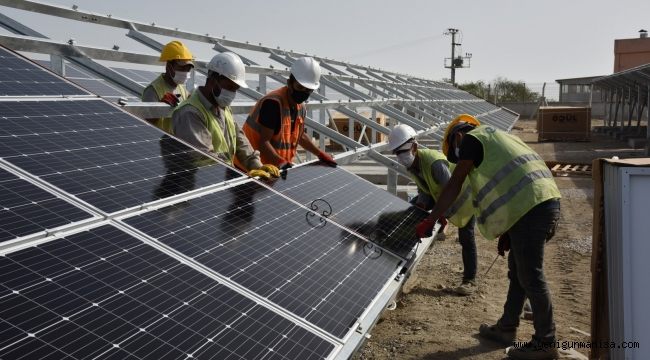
{"x":299,"y":96}
{"x":406,"y":158}
{"x":225,"y":98}
{"x":180,"y":77}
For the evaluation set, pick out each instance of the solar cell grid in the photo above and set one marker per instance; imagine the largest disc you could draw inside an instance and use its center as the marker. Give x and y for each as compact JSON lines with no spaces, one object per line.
{"x":260,"y":240}
{"x":355,"y":203}
{"x":27,"y":209}
{"x":20,"y":77}
{"x":104,"y":294}
{"x":101,"y":154}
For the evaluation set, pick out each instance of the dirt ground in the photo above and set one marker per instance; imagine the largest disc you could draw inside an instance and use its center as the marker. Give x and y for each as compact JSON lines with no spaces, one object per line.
{"x":430,"y":322}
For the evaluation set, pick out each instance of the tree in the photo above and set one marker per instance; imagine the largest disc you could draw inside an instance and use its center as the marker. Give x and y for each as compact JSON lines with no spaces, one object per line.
{"x":501,"y":90}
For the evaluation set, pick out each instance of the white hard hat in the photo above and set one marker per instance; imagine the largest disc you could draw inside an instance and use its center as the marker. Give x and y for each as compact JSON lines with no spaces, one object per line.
{"x":306,"y":70}
{"x":399,"y":136}
{"x":229,"y":65}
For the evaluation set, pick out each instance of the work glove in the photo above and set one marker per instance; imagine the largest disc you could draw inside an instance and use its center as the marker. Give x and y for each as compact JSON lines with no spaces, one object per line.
{"x":327,"y":158}
{"x":271,"y":169}
{"x":259,"y":173}
{"x":425,"y":228}
{"x":170,"y":99}
{"x":504,"y":244}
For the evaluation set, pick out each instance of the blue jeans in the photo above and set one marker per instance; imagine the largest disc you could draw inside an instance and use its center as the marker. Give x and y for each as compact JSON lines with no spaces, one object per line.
{"x":468,"y":244}
{"x":526,"y":270}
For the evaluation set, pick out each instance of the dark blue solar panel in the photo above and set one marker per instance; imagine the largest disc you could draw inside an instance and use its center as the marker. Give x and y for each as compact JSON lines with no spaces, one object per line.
{"x":355,"y":203}
{"x":21,"y":77}
{"x":104,"y":294}
{"x":278,"y":250}
{"x":101,"y":154}
{"x":27,"y":209}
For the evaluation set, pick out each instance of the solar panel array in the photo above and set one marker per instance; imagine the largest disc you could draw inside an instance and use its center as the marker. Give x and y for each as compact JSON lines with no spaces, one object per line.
{"x":118,"y":241}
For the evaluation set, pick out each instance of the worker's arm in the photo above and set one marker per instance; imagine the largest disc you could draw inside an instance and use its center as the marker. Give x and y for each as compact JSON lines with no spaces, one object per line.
{"x":307,"y":144}
{"x":149,"y":95}
{"x":270,"y":121}
{"x":266,"y":149}
{"x":188,"y":125}
{"x":244,"y":152}
{"x":452,"y":189}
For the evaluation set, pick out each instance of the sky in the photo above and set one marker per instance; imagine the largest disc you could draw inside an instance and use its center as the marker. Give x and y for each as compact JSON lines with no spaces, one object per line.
{"x":530,"y":41}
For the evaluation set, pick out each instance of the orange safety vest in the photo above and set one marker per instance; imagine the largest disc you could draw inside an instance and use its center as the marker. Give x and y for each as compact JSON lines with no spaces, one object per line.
{"x":285,"y":142}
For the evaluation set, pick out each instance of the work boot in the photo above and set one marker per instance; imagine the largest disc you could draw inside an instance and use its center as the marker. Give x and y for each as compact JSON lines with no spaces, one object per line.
{"x":497,"y":333}
{"x":533,"y":350}
{"x":468,"y":287}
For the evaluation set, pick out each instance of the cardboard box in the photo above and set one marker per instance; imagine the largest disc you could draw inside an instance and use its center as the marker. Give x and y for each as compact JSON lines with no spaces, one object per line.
{"x":564,"y":123}
{"x":343,"y":124}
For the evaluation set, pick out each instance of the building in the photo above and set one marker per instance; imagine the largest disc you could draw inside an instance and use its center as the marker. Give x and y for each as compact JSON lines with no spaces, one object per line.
{"x":578,"y":90}
{"x":629,"y":53}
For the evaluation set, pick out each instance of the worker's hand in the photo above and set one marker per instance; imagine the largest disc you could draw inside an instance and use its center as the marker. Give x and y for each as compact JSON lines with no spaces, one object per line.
{"x":421,"y":205}
{"x":327,"y":158}
{"x":425,"y":228}
{"x":271,"y":169}
{"x":170,"y":99}
{"x":259,"y":173}
{"x":443,"y":222}
{"x":504,"y":244}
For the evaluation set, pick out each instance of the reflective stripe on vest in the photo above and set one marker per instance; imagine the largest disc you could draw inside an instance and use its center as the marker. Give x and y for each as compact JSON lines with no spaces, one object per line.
{"x":160,"y":86}
{"x":511,"y":180}
{"x":461,"y":210}
{"x":285,"y":142}
{"x":223,"y":149}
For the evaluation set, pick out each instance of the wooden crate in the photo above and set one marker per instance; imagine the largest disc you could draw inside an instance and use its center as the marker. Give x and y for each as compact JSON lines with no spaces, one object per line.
{"x":564,"y":123}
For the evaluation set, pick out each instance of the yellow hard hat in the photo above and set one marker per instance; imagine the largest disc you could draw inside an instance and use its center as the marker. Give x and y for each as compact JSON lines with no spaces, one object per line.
{"x":462,"y":118}
{"x":175,"y":50}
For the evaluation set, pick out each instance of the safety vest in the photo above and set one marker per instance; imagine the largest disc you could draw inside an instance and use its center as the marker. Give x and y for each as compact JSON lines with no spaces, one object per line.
{"x":462,"y":210}
{"x":222,"y":149}
{"x":511,"y":180}
{"x":285,"y":142}
{"x":161,"y":87}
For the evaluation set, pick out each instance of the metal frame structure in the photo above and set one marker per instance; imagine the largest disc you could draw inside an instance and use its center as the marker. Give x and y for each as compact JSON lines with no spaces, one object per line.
{"x":424,"y":104}
{"x":627,"y":90}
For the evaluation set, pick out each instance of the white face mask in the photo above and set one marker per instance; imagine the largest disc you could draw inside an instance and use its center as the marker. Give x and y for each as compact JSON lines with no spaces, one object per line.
{"x":180,"y":77}
{"x":406,"y":158}
{"x":225,"y":98}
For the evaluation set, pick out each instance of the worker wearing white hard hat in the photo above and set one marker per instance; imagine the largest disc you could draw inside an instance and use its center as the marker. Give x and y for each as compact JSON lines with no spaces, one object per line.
{"x":431,"y":171}
{"x":169,"y":87}
{"x":275,"y":126}
{"x":205,"y":119}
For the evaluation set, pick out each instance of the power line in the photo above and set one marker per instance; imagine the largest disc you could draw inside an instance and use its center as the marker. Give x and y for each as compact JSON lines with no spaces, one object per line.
{"x":395,"y":46}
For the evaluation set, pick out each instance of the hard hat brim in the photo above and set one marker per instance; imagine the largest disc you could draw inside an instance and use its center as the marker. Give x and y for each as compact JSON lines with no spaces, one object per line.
{"x":242,"y":83}
{"x":309,"y":85}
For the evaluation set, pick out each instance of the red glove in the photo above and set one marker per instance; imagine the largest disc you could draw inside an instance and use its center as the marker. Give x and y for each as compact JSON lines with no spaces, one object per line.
{"x":504,"y":244}
{"x":327,"y":159}
{"x":170,"y":99}
{"x":425,"y":228}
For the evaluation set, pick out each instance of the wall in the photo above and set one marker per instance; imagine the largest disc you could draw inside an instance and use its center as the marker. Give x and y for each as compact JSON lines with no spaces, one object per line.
{"x":527,"y":109}
{"x":629,"y":53}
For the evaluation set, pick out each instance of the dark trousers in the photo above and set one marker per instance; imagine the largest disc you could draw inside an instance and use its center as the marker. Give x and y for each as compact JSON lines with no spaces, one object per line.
{"x":468,"y":244}
{"x":526,"y":270}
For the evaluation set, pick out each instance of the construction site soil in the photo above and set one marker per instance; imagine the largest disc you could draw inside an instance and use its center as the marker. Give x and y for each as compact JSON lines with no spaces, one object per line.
{"x":431,"y":322}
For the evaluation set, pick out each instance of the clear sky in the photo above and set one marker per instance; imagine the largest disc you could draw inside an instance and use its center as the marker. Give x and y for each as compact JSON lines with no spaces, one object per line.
{"x":532,"y":41}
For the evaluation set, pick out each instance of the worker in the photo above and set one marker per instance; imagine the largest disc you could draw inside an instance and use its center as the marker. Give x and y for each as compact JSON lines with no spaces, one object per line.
{"x":169,"y":87}
{"x":275,"y":126}
{"x":430,"y":170}
{"x":205,"y":119}
{"x":517,"y":201}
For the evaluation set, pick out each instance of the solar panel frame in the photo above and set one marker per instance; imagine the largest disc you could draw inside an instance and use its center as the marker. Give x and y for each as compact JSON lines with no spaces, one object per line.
{"x":101,"y":155}
{"x":149,"y":224}
{"x":20,"y":77}
{"x":88,"y":277}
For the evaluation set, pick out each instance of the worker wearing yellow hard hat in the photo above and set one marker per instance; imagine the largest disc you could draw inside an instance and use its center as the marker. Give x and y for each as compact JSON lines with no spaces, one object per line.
{"x":516,"y":200}
{"x":169,"y":87}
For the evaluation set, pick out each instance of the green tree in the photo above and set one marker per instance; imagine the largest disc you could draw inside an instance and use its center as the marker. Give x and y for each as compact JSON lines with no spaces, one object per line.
{"x":501,"y":90}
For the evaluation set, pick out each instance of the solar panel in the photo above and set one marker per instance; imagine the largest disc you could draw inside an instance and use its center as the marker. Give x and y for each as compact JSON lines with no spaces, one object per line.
{"x":355,"y":203}
{"x":21,"y":77}
{"x":100,"y":153}
{"x":103,"y":293}
{"x":278,"y":250}
{"x":27,"y":209}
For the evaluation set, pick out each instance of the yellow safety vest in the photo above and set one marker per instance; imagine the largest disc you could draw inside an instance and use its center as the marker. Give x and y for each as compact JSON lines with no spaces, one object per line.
{"x":511,"y":180}
{"x":221,"y":148}
{"x":160,"y":86}
{"x":462,"y":210}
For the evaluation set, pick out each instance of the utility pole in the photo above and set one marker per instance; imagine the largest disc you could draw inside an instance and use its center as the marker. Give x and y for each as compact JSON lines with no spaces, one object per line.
{"x":456,"y":62}
{"x":453,"y":33}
